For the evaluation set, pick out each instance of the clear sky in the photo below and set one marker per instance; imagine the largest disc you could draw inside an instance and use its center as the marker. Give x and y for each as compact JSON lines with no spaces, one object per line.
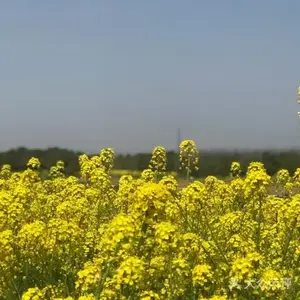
{"x":126,"y":74}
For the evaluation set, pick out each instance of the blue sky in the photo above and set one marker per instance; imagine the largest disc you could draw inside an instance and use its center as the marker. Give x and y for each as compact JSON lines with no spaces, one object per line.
{"x":126,"y":74}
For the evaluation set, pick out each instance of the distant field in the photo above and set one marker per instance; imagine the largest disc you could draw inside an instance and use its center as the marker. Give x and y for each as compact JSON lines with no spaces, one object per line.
{"x":182,"y":182}
{"x":117,"y":173}
{"x":134,"y":173}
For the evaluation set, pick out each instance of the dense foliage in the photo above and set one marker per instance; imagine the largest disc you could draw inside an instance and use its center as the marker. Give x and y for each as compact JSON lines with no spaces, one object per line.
{"x":214,"y":163}
{"x":70,"y":237}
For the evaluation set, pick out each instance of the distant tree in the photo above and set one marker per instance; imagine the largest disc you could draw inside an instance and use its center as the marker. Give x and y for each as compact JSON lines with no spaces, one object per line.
{"x":210,"y":162}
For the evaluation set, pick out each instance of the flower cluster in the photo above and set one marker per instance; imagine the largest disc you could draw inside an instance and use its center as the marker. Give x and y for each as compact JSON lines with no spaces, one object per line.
{"x":57,"y":170}
{"x":188,"y":156}
{"x":68,"y":238}
{"x":235,"y":169}
{"x":158,"y":162}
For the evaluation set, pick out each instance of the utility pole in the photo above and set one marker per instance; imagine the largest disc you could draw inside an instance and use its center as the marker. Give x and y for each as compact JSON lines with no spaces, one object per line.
{"x":177,"y":164}
{"x":178,"y":138}
{"x":298,"y":99}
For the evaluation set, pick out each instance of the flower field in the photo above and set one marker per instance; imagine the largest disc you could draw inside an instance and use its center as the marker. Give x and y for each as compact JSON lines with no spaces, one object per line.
{"x":83,"y":238}
{"x":133,"y":173}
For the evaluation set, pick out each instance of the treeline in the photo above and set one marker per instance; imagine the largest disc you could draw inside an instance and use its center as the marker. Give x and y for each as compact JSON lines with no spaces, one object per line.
{"x":211,"y":162}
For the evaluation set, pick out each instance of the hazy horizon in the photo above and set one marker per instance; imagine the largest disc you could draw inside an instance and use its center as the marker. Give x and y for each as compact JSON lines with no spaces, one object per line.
{"x":89,"y":75}
{"x":148,"y":151}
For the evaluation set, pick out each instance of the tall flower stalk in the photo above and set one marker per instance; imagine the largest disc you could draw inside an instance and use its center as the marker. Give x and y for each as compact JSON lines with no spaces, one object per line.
{"x":188,"y":157}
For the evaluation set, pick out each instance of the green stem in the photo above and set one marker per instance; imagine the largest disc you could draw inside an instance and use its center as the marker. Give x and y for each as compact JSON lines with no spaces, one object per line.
{"x":258,"y":234}
{"x":188,"y":170}
{"x":288,"y":240}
